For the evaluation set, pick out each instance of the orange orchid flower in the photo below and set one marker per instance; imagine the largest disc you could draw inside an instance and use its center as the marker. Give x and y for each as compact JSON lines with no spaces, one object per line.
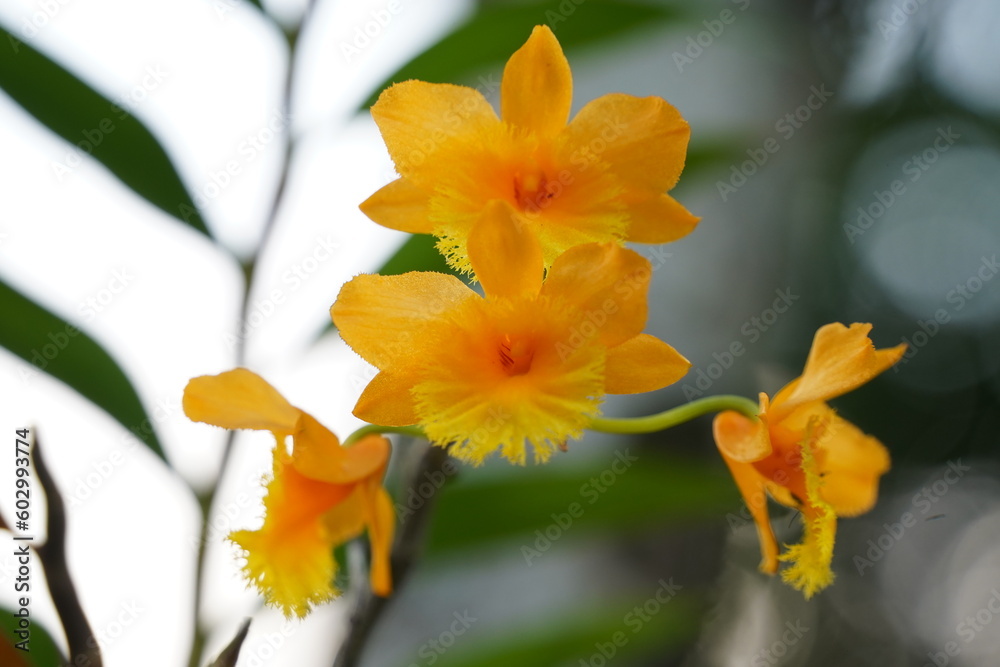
{"x":805,"y":456}
{"x":319,"y":495}
{"x":600,"y":178}
{"x":530,"y":362}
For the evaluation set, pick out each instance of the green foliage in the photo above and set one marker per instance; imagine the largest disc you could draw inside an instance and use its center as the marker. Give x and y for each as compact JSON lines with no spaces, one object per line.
{"x":497,"y":30}
{"x":94,"y":125}
{"x":56,"y":347}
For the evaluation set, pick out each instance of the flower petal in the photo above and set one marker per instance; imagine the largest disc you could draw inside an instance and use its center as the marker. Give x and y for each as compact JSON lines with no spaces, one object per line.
{"x":537,"y":86}
{"x":850,"y":461}
{"x":505,"y":254}
{"x":751,"y":486}
{"x":643,"y":139}
{"x":400,"y":205}
{"x":841,"y":359}
{"x":658,"y":218}
{"x":643,"y":363}
{"x":317,"y":454}
{"x":290,"y":559}
{"x":740,"y":438}
{"x":418,"y":119}
{"x":239,"y":399}
{"x":380,"y":517}
{"x":387,"y":400}
{"x":608,"y":284}
{"x":380,"y":317}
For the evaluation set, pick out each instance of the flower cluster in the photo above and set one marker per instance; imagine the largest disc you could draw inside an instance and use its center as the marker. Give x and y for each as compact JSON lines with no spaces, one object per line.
{"x":535,"y":208}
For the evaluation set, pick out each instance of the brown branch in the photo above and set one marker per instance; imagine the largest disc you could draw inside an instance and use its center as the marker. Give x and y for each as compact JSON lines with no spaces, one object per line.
{"x":83,"y":648}
{"x":405,"y":552}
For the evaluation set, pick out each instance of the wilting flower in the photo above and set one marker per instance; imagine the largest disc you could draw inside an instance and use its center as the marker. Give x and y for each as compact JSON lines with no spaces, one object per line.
{"x":319,"y":495}
{"x":530,"y":362}
{"x":805,"y":456}
{"x":600,"y":178}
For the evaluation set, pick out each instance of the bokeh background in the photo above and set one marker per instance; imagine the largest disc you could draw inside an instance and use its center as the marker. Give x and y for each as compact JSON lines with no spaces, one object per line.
{"x":844,"y":159}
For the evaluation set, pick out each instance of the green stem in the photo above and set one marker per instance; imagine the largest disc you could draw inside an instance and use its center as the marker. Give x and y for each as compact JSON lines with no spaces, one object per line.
{"x":684,"y":413}
{"x":369,"y":429}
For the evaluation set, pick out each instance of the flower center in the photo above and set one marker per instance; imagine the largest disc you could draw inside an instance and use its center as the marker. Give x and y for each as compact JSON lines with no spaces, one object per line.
{"x":532,"y":190}
{"x":515,"y":356}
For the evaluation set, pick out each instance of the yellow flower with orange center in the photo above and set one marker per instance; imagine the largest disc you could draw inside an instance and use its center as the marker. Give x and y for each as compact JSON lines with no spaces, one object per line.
{"x":319,"y":495}
{"x":805,"y":456}
{"x":601,"y":177}
{"x":528,"y":363}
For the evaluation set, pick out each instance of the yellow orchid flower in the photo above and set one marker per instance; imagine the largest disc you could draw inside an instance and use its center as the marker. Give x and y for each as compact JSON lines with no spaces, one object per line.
{"x":529,"y":362}
{"x":601,"y":177}
{"x":805,"y":456}
{"x":319,"y":495}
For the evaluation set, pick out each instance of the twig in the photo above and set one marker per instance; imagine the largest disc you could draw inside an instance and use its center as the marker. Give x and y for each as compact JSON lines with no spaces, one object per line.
{"x":83,"y":648}
{"x":407,"y":548}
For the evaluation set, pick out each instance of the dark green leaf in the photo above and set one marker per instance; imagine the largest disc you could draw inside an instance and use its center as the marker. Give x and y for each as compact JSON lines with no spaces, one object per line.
{"x":496,"y":31}
{"x":473,"y":511}
{"x":573,"y":638}
{"x":52,"y":345}
{"x":94,"y":125}
{"x":418,"y":253}
{"x":42,"y":652}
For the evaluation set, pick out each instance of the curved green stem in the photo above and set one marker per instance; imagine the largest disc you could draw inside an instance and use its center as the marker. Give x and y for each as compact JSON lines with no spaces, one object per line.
{"x":369,"y":429}
{"x":664,"y":420}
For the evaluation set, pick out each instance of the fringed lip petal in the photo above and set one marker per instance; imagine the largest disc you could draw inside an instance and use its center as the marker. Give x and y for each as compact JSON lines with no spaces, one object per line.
{"x":537,"y":86}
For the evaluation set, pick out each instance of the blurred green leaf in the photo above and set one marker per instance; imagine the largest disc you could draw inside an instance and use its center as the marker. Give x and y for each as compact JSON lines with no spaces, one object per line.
{"x":471,"y":512}
{"x":496,"y":31}
{"x":94,"y":125}
{"x":42,"y":652}
{"x":573,"y":638}
{"x":418,"y":253}
{"x":50,"y":344}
